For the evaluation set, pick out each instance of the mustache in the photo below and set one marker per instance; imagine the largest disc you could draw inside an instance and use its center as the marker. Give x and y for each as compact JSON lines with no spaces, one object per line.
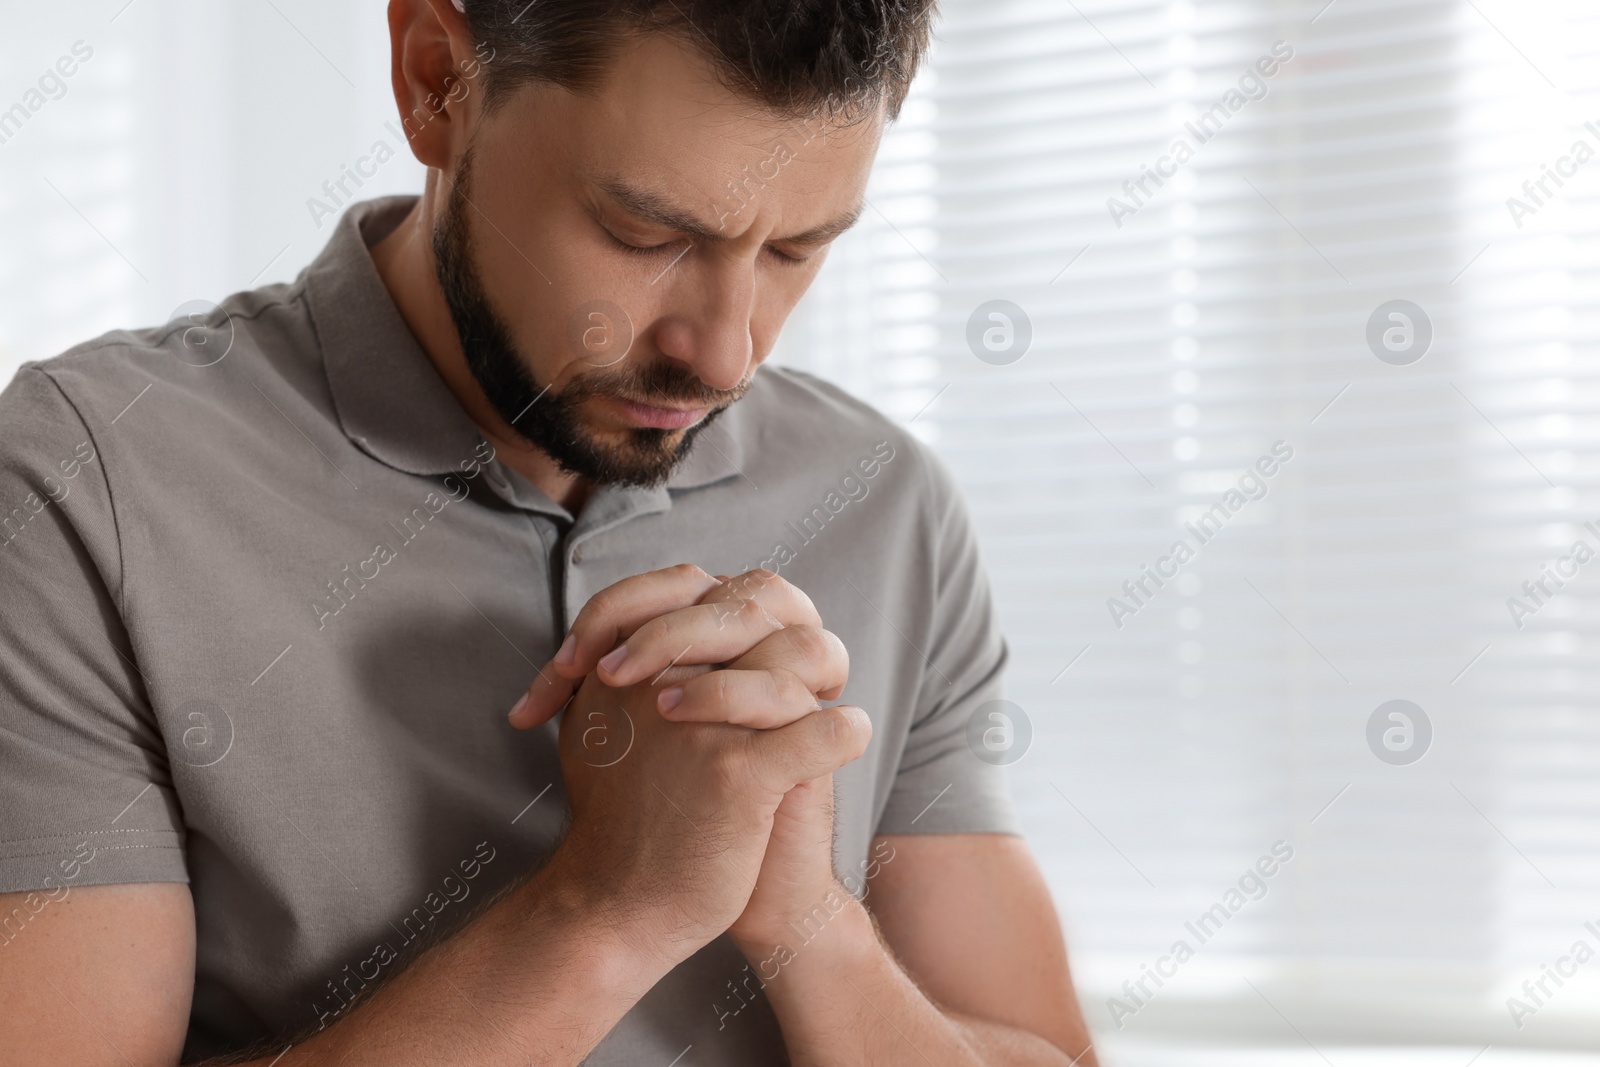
{"x":658,"y":383}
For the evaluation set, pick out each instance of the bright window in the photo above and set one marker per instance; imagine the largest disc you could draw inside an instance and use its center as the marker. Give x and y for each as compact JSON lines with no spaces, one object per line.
{"x":1308,"y":170}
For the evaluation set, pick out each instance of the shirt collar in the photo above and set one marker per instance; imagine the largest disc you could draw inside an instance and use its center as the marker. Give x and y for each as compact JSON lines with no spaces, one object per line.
{"x":717,"y":452}
{"x":391,"y":401}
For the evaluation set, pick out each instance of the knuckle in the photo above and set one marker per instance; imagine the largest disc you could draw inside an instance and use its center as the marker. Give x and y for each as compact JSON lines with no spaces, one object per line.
{"x":689,"y":571}
{"x":830,"y":736}
{"x":764,"y":578}
{"x":776,"y":691}
{"x":600,"y":606}
{"x":751,"y":583}
{"x":750,"y":611}
{"x":788,"y":688}
{"x":718,"y":689}
{"x":728,"y":765}
{"x":658,"y":629}
{"x":835,"y":649}
{"x":810,"y":643}
{"x":761,"y":577}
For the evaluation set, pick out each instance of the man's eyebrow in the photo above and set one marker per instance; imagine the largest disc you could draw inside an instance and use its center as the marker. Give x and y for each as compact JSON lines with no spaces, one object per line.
{"x":828,"y":230}
{"x":657,"y":209}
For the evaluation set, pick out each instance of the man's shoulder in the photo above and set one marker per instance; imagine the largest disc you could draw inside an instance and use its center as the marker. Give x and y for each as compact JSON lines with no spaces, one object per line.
{"x":94,"y":375}
{"x":803,"y":398}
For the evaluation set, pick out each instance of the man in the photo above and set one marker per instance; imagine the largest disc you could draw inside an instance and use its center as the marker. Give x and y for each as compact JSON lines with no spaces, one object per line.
{"x":273,"y":575}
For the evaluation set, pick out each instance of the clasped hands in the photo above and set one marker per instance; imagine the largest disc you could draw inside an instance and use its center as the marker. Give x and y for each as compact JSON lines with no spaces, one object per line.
{"x":698,"y":755}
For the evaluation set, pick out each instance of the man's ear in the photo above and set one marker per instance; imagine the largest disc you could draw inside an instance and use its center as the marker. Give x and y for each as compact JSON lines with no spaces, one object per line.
{"x":438,"y":77}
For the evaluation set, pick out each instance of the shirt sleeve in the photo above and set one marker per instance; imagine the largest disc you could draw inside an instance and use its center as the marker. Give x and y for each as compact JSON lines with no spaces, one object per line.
{"x":948,"y":782}
{"x":85,"y":790}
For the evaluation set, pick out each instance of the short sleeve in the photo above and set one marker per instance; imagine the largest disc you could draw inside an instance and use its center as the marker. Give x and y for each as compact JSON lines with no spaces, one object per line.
{"x":85,"y":790}
{"x":942,"y":786}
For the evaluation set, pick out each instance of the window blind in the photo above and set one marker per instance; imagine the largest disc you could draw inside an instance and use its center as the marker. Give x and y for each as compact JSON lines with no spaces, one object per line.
{"x":1204,"y":210}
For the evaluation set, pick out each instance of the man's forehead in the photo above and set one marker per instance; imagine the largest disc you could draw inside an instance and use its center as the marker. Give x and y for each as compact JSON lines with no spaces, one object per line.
{"x":664,"y":138}
{"x":705,"y":176}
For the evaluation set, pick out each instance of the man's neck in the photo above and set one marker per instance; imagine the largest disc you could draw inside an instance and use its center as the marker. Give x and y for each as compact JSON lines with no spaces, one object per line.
{"x":406,"y":264}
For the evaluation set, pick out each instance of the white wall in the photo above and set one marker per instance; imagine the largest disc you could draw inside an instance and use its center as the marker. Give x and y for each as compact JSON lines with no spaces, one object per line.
{"x":190,"y":143}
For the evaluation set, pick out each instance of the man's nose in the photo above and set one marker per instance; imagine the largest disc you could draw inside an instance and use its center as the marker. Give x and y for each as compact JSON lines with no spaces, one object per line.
{"x":707,"y":326}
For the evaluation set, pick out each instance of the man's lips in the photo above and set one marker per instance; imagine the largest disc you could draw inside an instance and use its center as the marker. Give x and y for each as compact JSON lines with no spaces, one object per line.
{"x":658,"y":417}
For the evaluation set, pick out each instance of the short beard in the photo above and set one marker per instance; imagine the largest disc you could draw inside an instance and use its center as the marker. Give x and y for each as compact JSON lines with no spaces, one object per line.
{"x":551,"y":421}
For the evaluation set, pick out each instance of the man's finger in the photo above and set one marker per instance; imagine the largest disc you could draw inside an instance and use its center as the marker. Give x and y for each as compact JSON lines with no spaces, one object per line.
{"x":761,"y":700}
{"x":816,"y":655}
{"x":547,"y":695}
{"x":620,"y":610}
{"x":610,"y":615}
{"x":785,"y":600}
{"x":622,"y":607}
{"x":810,"y":747}
{"x":704,"y":633}
{"x":772,"y":685}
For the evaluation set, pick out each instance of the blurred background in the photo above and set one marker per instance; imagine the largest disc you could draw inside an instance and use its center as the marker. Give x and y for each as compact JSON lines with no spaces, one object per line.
{"x":1381,"y":260}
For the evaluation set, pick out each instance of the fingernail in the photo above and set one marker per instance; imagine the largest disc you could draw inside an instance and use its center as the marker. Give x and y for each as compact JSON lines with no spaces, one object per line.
{"x":613,"y":659}
{"x":521,"y":703}
{"x":568,"y":649}
{"x":670,"y":698}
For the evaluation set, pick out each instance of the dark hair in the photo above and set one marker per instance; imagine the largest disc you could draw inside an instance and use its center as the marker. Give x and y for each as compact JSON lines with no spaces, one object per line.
{"x":794,"y":56}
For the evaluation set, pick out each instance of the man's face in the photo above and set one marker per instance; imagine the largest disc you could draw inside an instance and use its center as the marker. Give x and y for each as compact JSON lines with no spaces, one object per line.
{"x":619,"y":264}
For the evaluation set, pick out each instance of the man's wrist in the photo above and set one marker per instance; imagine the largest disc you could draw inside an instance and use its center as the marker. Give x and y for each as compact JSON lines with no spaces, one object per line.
{"x":837,"y":931}
{"x":547,"y":967}
{"x":612,"y":941}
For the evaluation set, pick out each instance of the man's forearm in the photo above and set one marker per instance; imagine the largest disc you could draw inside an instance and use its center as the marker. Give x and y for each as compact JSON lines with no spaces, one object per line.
{"x":540,"y":977}
{"x":841,"y":999}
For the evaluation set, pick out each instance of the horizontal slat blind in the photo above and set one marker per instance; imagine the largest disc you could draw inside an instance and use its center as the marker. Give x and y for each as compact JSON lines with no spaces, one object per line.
{"x":1229,"y":312}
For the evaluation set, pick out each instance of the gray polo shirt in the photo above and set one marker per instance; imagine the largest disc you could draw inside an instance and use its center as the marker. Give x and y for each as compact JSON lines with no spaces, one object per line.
{"x":266,"y":597}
